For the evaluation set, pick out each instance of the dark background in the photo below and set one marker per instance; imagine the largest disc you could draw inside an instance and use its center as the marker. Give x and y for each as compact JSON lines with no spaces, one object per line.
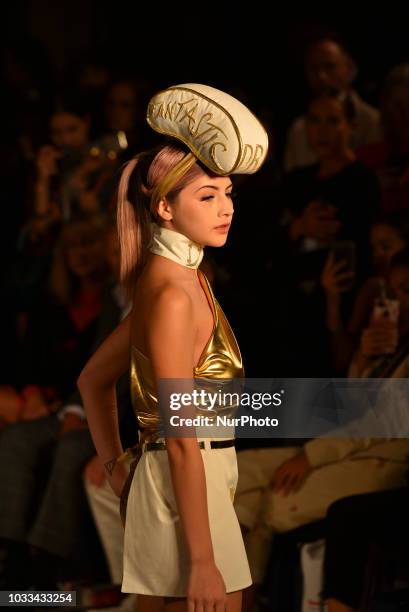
{"x":254,"y":46}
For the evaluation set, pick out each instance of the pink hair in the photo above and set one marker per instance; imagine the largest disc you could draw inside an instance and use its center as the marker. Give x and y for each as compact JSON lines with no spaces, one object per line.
{"x":134,"y":215}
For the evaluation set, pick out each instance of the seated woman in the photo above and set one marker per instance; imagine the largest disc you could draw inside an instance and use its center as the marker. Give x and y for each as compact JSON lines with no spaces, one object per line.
{"x":337,"y":196}
{"x":281,"y":489}
{"x":46,"y":528}
{"x":56,"y":333}
{"x":384,"y":346}
{"x":332,"y":200}
{"x":389,"y":234}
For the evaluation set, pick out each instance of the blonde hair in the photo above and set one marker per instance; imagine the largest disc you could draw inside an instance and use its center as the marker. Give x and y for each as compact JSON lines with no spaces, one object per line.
{"x":134,"y":211}
{"x":62,"y":283}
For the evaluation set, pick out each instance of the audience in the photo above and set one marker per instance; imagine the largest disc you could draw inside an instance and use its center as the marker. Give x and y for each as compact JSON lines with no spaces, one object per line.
{"x":330,"y":201}
{"x":299,"y":308}
{"x":389,"y":157}
{"x":389,"y":234}
{"x":45,"y":527}
{"x":329,"y":67}
{"x":58,"y":328}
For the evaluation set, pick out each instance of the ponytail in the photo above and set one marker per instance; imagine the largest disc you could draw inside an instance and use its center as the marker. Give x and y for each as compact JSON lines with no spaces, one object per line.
{"x":133,"y":231}
{"x":135,"y":208}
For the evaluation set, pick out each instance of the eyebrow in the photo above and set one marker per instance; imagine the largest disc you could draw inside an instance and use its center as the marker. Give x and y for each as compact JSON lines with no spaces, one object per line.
{"x":213,"y":187}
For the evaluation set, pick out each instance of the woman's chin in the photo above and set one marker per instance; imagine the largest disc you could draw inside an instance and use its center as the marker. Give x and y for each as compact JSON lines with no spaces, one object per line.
{"x":217,"y":241}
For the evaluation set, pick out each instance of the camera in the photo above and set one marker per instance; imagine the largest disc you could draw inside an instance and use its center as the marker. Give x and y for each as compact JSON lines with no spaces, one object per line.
{"x":109,"y":146}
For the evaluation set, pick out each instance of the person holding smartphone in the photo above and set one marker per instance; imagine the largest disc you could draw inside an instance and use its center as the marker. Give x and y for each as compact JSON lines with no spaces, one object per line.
{"x":329,"y":201}
{"x":337,"y":197}
{"x":384,"y":343}
{"x":389,"y":234}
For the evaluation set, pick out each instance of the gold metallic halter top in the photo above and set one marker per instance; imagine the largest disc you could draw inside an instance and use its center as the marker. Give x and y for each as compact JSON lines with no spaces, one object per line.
{"x":220,"y":358}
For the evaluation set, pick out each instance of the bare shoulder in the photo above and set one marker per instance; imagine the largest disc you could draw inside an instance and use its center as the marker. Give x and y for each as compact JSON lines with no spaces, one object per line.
{"x":169,"y":300}
{"x":172,"y":295}
{"x":170,"y":331}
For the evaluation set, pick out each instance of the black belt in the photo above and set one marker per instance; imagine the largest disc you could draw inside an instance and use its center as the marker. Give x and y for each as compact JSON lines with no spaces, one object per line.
{"x":149,"y":446}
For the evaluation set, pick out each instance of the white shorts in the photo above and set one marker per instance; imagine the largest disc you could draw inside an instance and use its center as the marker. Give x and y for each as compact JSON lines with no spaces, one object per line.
{"x":155,"y":555}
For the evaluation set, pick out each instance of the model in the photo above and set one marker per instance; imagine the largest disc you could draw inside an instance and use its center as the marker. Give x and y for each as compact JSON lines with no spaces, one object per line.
{"x":183,"y":548}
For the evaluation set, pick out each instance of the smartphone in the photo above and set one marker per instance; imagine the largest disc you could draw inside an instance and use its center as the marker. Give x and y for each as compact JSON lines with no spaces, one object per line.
{"x":345,"y":251}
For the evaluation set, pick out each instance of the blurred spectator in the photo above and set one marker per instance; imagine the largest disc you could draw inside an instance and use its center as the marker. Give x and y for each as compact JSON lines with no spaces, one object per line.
{"x":337,"y":196}
{"x":384,"y":343}
{"x":73,"y":177}
{"x":58,"y":329}
{"x":281,"y":489}
{"x":389,"y":234}
{"x":330,"y":201}
{"x":70,"y":171}
{"x":90,"y":75}
{"x":389,"y":157}
{"x":329,"y":67}
{"x":124,"y":112}
{"x":45,"y":527}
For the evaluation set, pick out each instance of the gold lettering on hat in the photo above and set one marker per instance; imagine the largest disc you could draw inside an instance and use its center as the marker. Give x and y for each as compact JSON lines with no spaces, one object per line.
{"x":168,"y":110}
{"x":208,"y":127}
{"x":199,"y":125}
{"x":213,"y":155}
{"x":254,"y":155}
{"x":182,"y":106}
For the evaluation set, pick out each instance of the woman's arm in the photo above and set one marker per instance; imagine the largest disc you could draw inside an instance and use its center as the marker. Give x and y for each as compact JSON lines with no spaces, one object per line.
{"x":97,"y":385}
{"x":170,"y":340}
{"x":45,"y":210}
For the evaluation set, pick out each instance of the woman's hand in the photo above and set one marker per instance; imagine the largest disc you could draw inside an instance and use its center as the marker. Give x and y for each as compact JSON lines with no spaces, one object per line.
{"x":291,"y":474}
{"x":46,"y":161}
{"x":117,"y":476}
{"x":316,"y":221}
{"x":206,"y":589}
{"x":94,"y":472}
{"x":333,"y":279}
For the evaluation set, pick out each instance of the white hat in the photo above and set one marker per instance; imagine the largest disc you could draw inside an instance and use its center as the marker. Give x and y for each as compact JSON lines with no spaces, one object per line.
{"x":218,"y":129}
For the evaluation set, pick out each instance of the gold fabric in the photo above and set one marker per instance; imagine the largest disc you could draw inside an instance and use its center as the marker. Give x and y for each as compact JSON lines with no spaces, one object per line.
{"x":220,"y":358}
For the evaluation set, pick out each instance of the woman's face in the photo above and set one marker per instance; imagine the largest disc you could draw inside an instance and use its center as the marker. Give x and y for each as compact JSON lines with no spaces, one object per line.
{"x":327,"y":67}
{"x":84,"y":254}
{"x":399,"y":282}
{"x":69,"y":131}
{"x":328,"y":130}
{"x":386,"y":242}
{"x":203,"y":210}
{"x":121,"y":106}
